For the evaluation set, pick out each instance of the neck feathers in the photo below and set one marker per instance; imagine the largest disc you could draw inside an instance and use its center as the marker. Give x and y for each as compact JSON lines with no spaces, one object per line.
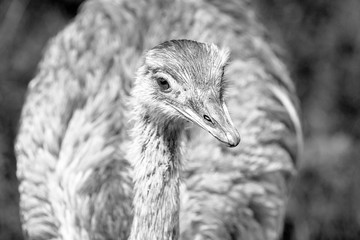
{"x":156,"y":160}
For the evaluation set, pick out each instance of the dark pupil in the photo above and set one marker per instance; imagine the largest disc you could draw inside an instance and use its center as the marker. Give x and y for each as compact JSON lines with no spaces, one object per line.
{"x":164,"y":85}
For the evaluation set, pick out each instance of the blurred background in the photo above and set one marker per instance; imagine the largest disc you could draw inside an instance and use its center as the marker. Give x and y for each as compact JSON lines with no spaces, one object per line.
{"x":322,"y":40}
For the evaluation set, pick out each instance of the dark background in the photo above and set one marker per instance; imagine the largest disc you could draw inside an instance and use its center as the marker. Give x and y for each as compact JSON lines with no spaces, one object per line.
{"x":322,"y":39}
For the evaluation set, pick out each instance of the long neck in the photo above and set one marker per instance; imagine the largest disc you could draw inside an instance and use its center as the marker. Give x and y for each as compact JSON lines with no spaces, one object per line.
{"x":156,"y":179}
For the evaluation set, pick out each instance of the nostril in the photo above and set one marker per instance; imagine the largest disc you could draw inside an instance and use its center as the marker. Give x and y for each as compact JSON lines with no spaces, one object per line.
{"x":207,"y":118}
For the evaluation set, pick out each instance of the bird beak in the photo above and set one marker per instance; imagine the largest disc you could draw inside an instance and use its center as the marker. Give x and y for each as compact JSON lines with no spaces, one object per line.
{"x":215,"y":119}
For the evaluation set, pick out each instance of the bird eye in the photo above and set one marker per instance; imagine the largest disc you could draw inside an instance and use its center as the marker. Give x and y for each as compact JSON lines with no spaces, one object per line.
{"x":163,"y":84}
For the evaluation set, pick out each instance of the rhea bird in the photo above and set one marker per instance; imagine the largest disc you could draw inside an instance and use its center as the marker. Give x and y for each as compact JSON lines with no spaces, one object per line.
{"x":74,"y":162}
{"x":180,"y":81}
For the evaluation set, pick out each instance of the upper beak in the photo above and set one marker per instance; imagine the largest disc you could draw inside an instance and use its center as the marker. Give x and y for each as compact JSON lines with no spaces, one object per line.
{"x":215,"y":119}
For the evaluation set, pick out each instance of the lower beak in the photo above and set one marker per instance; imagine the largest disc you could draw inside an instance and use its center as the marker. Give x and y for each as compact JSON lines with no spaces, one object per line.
{"x":215,"y":119}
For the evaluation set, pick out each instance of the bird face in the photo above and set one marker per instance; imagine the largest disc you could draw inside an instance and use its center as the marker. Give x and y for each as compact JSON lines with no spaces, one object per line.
{"x":186,"y":80}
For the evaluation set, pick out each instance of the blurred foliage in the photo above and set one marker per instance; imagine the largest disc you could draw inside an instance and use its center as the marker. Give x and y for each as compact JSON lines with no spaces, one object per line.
{"x":322,"y":39}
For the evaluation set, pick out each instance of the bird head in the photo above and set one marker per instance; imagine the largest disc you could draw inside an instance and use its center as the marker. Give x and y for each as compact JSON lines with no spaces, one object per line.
{"x":185,"y":79}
